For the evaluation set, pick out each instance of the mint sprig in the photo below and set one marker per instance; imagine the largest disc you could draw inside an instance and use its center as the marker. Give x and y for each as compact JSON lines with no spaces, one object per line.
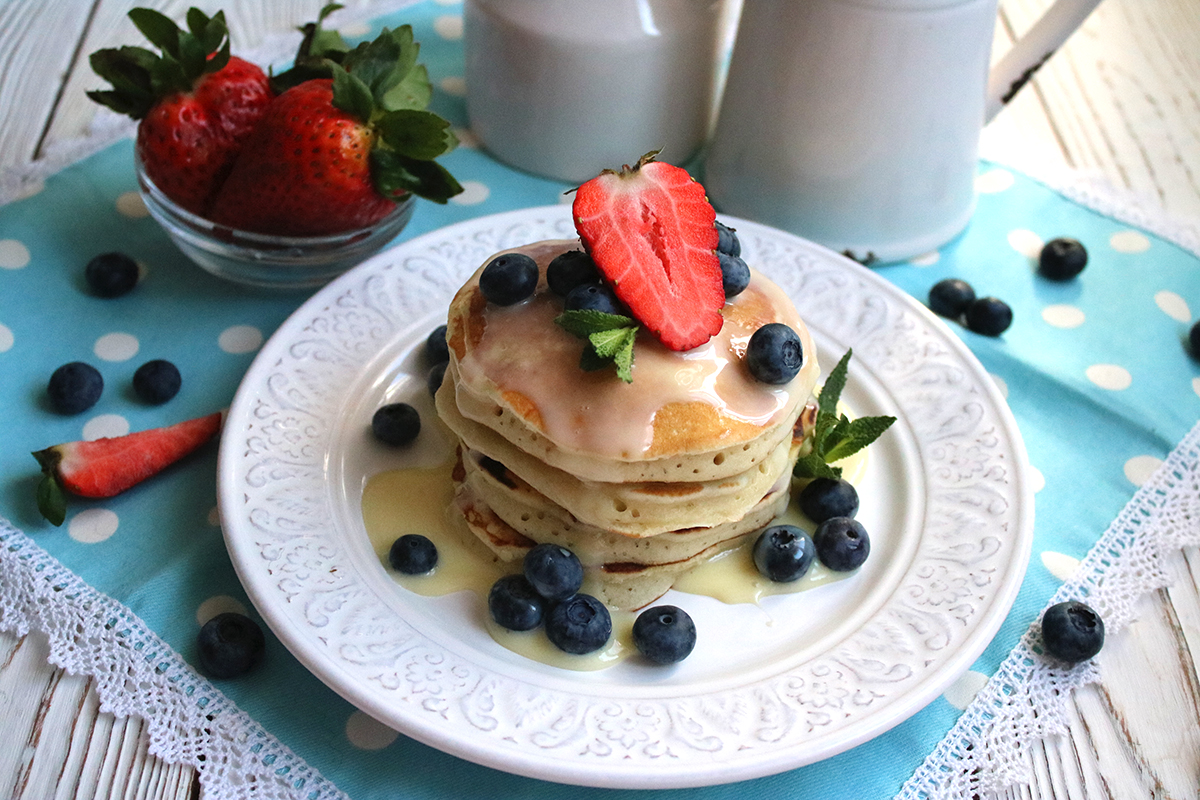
{"x":609,"y":338}
{"x":836,"y":436}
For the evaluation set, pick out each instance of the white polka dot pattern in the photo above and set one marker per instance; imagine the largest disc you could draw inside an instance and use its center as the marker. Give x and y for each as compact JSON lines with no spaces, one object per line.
{"x":1139,"y":468}
{"x":1173,"y":306}
{"x":1025,"y":242}
{"x":1109,"y":376}
{"x":239,"y":339}
{"x":13,"y":254}
{"x":473,"y":193}
{"x":105,"y":426}
{"x":365,"y":733}
{"x":1059,"y":565}
{"x":116,"y":346}
{"x":93,"y":525}
{"x":1063,"y":316}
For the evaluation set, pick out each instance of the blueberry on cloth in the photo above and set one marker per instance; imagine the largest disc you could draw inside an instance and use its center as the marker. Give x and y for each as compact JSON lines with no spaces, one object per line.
{"x":842,"y":543}
{"x":157,"y":381}
{"x":74,"y":387}
{"x":735,"y":275}
{"x":664,"y":634}
{"x":229,"y":645}
{"x":1072,"y":631}
{"x":437,"y":373}
{"x":784,"y":553}
{"x":436,"y":348}
{"x":950,"y":297}
{"x":111,"y":274}
{"x":592,"y":297}
{"x":580,"y":624}
{"x":774,"y":354}
{"x":1194,"y":339}
{"x":396,"y":424}
{"x":989,"y":316}
{"x":1062,"y":259}
{"x":508,"y":279}
{"x":413,"y":554}
{"x":569,"y":270}
{"x":553,"y":571}
{"x":515,"y":605}
{"x":824,"y":498}
{"x":727,"y":240}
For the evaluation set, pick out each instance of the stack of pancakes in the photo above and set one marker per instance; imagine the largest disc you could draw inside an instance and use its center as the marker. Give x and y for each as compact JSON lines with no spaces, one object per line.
{"x":641,"y":481}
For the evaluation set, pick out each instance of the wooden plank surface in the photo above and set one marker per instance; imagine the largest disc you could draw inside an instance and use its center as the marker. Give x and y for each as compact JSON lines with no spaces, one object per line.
{"x":1121,"y":100}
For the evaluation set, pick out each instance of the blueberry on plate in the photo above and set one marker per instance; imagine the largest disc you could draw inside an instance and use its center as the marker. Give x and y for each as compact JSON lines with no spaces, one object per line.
{"x":1072,"y":631}
{"x":157,"y":381}
{"x":824,"y":498}
{"x":592,"y":297}
{"x":515,"y":605}
{"x":1062,"y":259}
{"x":74,"y":387}
{"x":989,"y":316}
{"x":735,"y":275}
{"x":229,"y":645}
{"x":413,"y":554}
{"x":950,"y":297}
{"x":437,"y":373}
{"x":508,"y":279}
{"x":396,"y":424}
{"x":842,"y":543}
{"x":436,"y":348}
{"x":580,"y":624}
{"x":664,"y":634}
{"x":774,"y":354}
{"x":569,"y":270}
{"x":727,"y":240}
{"x":553,"y":571}
{"x":111,"y":274}
{"x":784,"y":553}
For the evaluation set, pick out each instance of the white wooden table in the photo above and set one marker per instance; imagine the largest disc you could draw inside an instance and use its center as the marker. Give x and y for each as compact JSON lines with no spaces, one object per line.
{"x":1121,"y":100}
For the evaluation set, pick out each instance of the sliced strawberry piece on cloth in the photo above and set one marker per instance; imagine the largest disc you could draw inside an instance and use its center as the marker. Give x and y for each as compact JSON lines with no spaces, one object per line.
{"x":650,"y":229}
{"x":107,"y":467}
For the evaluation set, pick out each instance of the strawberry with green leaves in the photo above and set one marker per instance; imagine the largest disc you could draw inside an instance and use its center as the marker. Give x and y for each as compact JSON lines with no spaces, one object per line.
{"x":651,"y":231}
{"x":196,"y":103}
{"x":336,"y":153}
{"x":107,"y":467}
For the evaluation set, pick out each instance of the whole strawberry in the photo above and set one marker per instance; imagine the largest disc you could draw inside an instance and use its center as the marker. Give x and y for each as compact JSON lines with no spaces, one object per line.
{"x":333,"y":154}
{"x":196,"y":102}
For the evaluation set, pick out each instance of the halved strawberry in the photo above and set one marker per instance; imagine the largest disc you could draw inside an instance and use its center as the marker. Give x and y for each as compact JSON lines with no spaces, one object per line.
{"x":650,"y":229}
{"x":106,"y":467}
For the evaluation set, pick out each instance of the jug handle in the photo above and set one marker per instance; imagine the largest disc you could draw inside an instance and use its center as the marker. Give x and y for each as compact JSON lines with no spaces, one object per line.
{"x":1032,"y":50}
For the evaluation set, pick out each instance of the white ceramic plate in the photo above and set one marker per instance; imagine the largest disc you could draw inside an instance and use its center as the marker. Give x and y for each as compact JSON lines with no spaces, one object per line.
{"x":946,"y":498}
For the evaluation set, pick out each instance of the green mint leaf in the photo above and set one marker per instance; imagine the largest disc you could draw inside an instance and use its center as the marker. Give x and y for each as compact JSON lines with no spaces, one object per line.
{"x":858,"y":434}
{"x":160,"y":29}
{"x":414,"y":91}
{"x":623,"y":358}
{"x":351,"y":95}
{"x":415,"y":134}
{"x":813,"y":466}
{"x":831,"y":391}
{"x":52,"y":502}
{"x":584,"y":323}
{"x":608,"y":344}
{"x":394,"y":174}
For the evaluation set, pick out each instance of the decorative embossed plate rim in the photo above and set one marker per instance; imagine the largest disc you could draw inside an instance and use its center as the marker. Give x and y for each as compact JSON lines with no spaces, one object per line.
{"x":950,"y":493}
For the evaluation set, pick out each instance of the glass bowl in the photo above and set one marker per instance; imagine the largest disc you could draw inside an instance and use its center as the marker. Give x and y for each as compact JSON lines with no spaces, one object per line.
{"x":256,"y":259}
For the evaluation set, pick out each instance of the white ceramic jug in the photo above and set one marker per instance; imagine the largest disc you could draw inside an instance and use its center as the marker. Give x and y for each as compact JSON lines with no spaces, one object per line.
{"x":856,"y":123}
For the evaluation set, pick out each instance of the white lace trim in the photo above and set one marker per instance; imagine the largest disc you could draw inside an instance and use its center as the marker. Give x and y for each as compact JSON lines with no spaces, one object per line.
{"x":188,"y":720}
{"x":1026,"y":699}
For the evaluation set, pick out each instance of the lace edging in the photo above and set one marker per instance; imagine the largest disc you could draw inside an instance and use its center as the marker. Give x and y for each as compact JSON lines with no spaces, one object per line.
{"x":188,"y":720}
{"x":1026,"y":698}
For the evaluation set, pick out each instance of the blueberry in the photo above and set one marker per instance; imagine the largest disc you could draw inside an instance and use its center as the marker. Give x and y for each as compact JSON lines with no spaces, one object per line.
{"x":74,"y":387}
{"x":1072,"y":631}
{"x":569,"y":270}
{"x":437,"y":373}
{"x":842,"y":543}
{"x":1062,"y":259}
{"x":735,"y":275}
{"x":828,"y":497}
{"x":784,"y":553}
{"x":727,"y":240}
{"x":436,"y":348}
{"x":413,"y":554}
{"x":229,"y":645}
{"x":592,"y":297}
{"x":515,"y":605}
{"x":396,"y":424}
{"x":774,"y":354}
{"x":509,"y":279}
{"x":111,"y":274}
{"x":990,"y":316}
{"x":580,"y":624}
{"x":157,"y":381}
{"x":664,"y":634}
{"x":950,"y":297}
{"x":1194,"y":339}
{"x":553,"y":571}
